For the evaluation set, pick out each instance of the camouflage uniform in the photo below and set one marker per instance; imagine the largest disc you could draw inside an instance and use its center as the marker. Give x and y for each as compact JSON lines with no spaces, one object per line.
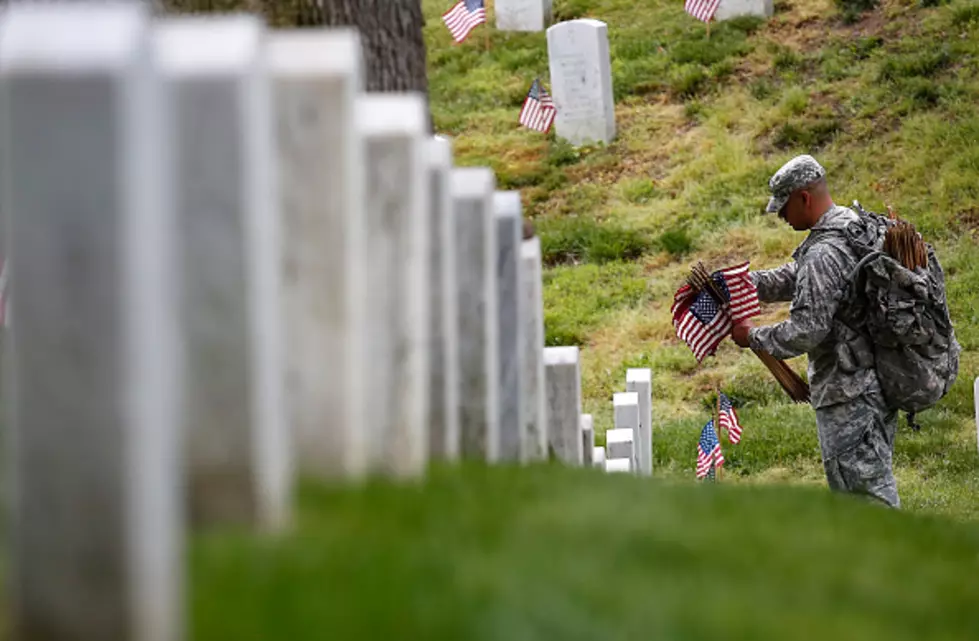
{"x":856,"y":429}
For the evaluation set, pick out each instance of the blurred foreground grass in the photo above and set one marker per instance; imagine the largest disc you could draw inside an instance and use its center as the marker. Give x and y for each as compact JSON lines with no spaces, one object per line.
{"x":545,"y":552}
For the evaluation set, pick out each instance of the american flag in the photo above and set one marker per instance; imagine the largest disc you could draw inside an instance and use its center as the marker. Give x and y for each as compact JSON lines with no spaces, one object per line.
{"x":729,"y":420}
{"x":538,"y":109}
{"x":701,"y":322}
{"x":702,"y":9}
{"x":463,"y":17}
{"x":709,"y":453}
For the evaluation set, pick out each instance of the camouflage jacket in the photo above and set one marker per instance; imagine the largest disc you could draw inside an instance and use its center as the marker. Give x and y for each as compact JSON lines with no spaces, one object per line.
{"x":841,"y":361}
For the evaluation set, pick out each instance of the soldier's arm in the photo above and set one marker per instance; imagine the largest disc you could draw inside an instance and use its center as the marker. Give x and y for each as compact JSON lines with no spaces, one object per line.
{"x":819,"y":284}
{"x":775,"y":284}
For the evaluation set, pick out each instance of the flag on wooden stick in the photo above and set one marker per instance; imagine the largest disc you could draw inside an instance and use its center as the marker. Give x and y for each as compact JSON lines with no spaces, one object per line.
{"x":709,"y":454}
{"x":702,"y":10}
{"x":728,"y":419}
{"x":703,"y":318}
{"x":538,"y":110}
{"x":463,"y":17}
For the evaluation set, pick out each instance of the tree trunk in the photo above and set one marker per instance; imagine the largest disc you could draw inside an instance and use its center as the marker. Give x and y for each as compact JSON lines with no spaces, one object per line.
{"x":391,"y":31}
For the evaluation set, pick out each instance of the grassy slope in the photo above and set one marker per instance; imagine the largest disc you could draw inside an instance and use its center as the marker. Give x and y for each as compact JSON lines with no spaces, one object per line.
{"x":888,"y":105}
{"x":550,"y":553}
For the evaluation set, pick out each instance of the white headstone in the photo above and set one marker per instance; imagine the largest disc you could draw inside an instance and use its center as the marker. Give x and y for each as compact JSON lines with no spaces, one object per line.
{"x":626,"y":407}
{"x":509,"y":230}
{"x":581,"y":81}
{"x":587,"y":439}
{"x":237,"y":440}
{"x":92,"y":378}
{"x":532,"y":353}
{"x":563,"y":374}
{"x":598,"y":456}
{"x":620,"y":443}
{"x":395,"y":128}
{"x":733,"y":8}
{"x":444,"y":334}
{"x":640,"y":381}
{"x":316,"y":76}
{"x":472,"y":196}
{"x":618,"y":465}
{"x":523,"y":15}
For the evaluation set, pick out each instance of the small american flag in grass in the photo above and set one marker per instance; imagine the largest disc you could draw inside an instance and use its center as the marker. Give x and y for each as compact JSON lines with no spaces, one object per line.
{"x":709,"y":453}
{"x":538,"y":110}
{"x":702,"y":322}
{"x":729,"y":420}
{"x":703,"y":10}
{"x":463,"y":17}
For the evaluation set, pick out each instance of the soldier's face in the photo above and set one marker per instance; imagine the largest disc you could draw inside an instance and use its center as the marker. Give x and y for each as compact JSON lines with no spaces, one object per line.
{"x":796,"y":210}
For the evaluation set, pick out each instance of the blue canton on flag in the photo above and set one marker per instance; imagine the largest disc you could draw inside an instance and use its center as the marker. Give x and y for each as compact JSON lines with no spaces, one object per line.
{"x":463,"y":17}
{"x":708,"y":451}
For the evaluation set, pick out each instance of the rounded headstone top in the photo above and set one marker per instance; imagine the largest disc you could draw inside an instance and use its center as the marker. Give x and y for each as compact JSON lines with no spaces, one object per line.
{"x":192,"y":45}
{"x":473,"y":182}
{"x":638,"y":375}
{"x":561,"y":355}
{"x":306,"y":51}
{"x":625,"y":398}
{"x":380,"y":114}
{"x":56,"y":37}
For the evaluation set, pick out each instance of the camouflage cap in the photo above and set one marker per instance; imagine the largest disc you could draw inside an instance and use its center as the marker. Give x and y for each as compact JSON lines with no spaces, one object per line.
{"x":795,"y":174}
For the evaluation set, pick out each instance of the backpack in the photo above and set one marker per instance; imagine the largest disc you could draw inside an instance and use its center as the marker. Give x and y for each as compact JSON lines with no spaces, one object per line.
{"x":905,"y":314}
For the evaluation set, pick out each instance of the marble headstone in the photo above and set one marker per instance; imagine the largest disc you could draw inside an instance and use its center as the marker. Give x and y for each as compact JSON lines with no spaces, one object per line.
{"x":563,"y":375}
{"x":395,"y":130}
{"x":92,"y":370}
{"x":626,"y":407}
{"x":532,"y":353}
{"x":598,"y":456}
{"x":640,"y":381}
{"x":581,"y":81}
{"x":237,"y":442}
{"x":618,"y":465}
{"x":509,"y":227}
{"x":733,"y":8}
{"x":443,"y":435}
{"x":620,"y":444}
{"x":472,"y":199}
{"x":523,"y":15}
{"x":587,"y":439}
{"x":316,"y":77}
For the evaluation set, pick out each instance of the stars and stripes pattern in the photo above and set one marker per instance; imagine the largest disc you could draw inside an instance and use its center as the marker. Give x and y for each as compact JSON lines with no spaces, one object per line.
{"x":709,"y":454}
{"x":702,"y":322}
{"x":703,"y":10}
{"x":463,"y":17}
{"x":538,"y":110}
{"x":728,"y":420}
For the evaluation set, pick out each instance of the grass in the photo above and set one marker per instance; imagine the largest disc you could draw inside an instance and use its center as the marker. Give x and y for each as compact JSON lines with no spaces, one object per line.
{"x":552,"y":553}
{"x":884,"y":98}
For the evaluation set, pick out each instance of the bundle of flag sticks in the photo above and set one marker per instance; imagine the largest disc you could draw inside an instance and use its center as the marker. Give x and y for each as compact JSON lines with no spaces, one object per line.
{"x":904,"y":244}
{"x":797,"y":389}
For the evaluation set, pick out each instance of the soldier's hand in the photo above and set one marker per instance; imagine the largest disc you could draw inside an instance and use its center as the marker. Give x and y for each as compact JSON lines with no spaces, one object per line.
{"x":739,"y":333}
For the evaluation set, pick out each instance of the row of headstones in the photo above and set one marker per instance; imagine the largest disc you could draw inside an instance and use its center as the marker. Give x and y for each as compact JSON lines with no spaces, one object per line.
{"x":232,"y":266}
{"x":629,"y":445}
{"x":580,"y":64}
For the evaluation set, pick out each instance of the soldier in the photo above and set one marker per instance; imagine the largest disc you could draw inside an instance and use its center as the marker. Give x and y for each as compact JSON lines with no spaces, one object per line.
{"x":856,"y":428}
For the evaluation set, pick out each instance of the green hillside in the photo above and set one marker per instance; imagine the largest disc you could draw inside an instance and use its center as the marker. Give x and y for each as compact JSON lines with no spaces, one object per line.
{"x":887,"y":103}
{"x":547,"y":553}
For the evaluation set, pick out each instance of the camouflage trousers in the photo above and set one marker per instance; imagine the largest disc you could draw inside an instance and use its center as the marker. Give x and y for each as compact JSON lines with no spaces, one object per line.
{"x":857,"y":442}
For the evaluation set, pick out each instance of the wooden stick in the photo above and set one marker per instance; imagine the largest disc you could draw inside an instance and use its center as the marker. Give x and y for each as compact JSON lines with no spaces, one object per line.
{"x":708,"y":27}
{"x":717,"y":425}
